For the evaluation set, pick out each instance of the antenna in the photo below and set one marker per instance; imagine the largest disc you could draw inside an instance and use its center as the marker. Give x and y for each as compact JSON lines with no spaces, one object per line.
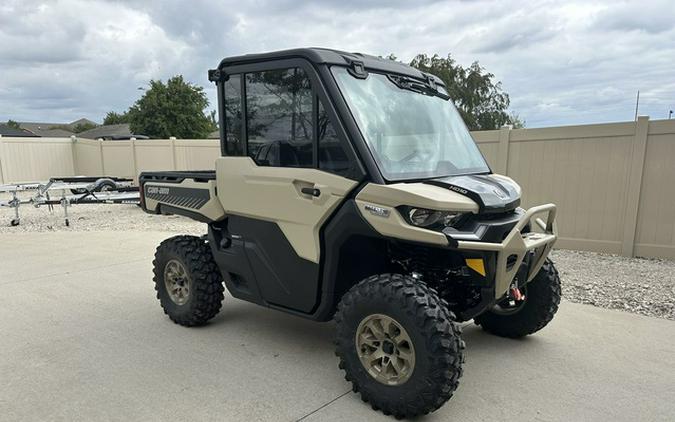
{"x":637,"y":104}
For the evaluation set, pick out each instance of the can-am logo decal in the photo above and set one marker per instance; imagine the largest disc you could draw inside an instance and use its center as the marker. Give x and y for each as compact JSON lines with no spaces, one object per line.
{"x":179,"y":196}
{"x":156,"y":190}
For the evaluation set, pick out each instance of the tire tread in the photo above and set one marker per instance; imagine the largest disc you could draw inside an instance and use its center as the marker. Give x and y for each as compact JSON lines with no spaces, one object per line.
{"x":422,"y":303}
{"x":206,"y":282}
{"x":542,"y":307}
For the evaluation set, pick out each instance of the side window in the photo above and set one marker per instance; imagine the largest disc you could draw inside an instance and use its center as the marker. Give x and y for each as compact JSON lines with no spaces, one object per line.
{"x":279,"y":118}
{"x":332,"y":156}
{"x":233,"y":119}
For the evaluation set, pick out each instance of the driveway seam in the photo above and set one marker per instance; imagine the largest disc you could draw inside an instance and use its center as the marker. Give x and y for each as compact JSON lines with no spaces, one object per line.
{"x":323,"y":406}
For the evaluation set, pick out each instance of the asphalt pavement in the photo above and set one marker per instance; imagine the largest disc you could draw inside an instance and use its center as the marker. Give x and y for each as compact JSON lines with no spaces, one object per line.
{"x":83,"y":338}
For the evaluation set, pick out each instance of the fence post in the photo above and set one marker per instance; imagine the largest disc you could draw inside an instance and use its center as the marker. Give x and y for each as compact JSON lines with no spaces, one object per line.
{"x":73,"y":151}
{"x":173,"y":151}
{"x":503,"y":152}
{"x":100,"y":153}
{"x":132,"y":142}
{"x":635,"y":185}
{"x":3,"y":176}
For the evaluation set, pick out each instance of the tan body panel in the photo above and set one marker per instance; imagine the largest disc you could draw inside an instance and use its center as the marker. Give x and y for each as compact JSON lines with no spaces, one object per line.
{"x":420,"y":195}
{"x":198,"y":197}
{"x":274,"y":194}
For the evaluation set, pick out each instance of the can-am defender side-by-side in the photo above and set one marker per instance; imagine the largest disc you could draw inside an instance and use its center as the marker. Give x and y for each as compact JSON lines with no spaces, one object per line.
{"x":349,"y":188}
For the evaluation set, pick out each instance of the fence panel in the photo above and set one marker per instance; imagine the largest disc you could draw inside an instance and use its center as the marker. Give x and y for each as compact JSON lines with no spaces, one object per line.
{"x":31,"y":159}
{"x":488,"y":143}
{"x":585,"y":175}
{"x":88,"y":156}
{"x":655,"y":235}
{"x":118,"y":159}
{"x":197,"y":154}
{"x":154,"y":155}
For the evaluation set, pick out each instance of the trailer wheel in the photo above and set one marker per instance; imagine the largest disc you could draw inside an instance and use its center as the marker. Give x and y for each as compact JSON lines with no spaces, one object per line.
{"x":102,"y":185}
{"x":187,"y":280}
{"x":105,"y":185}
{"x":542,"y":297}
{"x":398,"y":345}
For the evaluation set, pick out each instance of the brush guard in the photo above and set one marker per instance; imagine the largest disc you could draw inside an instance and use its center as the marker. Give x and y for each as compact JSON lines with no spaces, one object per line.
{"x":512,"y":251}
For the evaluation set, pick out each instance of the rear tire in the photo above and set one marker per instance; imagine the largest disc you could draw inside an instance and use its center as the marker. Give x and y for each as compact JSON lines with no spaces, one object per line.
{"x":541,"y":304}
{"x":430,"y":336}
{"x":187,"y":280}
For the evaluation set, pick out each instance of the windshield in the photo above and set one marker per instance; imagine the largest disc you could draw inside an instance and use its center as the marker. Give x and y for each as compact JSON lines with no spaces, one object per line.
{"x":411,"y":135}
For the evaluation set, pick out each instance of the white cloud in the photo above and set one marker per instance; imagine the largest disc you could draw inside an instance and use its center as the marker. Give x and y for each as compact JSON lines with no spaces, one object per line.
{"x":561,"y":62}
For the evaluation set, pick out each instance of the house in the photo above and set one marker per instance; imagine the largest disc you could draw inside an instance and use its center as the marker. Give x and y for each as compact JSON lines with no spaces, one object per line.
{"x":46,"y":130}
{"x":9,"y":131}
{"x":55,"y":130}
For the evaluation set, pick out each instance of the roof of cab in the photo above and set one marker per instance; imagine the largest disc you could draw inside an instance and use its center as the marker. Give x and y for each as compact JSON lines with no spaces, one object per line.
{"x":331,"y":57}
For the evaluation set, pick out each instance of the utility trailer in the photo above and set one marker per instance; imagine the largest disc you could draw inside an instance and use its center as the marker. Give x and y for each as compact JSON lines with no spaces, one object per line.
{"x":67,"y":191}
{"x":350,"y":189}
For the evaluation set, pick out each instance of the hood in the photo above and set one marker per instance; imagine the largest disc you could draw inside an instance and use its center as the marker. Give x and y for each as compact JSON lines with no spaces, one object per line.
{"x":493,"y":193}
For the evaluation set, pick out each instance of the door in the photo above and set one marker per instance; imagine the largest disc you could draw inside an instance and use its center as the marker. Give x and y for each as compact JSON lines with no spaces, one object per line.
{"x":278,"y":195}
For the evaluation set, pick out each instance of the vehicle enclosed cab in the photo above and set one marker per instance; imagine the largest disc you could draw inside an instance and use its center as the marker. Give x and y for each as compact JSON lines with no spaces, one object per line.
{"x":349,"y":188}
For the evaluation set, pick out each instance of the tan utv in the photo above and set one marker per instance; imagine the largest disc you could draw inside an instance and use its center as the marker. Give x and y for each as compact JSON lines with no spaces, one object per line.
{"x":350,"y":189}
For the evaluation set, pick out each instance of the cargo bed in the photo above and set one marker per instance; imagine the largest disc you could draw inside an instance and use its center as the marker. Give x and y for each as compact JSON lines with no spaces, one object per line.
{"x":188,"y":193}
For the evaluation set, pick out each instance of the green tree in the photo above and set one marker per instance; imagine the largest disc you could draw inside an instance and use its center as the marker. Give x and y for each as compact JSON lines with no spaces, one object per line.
{"x":172,"y":109}
{"x":81,"y":127}
{"x":14,"y":125}
{"x":113,"y":118}
{"x":480,"y":100}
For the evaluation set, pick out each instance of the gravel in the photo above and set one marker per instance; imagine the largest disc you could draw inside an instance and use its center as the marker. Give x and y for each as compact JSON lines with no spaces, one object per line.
{"x":638,"y":285}
{"x":641,"y":286}
{"x":94,"y":217}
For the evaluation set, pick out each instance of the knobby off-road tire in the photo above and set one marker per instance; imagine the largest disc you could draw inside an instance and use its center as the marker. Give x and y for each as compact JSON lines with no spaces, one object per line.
{"x":204,"y":293}
{"x":428,"y":324}
{"x":541,"y":303}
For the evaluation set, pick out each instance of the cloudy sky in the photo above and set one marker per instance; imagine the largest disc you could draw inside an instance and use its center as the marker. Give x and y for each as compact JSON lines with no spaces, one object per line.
{"x":561,"y":62}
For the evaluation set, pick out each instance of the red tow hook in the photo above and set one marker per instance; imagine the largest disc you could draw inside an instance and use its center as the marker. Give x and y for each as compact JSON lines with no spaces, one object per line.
{"x":517,"y":294}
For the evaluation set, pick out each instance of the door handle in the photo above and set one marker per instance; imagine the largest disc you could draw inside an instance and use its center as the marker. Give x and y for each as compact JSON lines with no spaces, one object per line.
{"x":311,"y":191}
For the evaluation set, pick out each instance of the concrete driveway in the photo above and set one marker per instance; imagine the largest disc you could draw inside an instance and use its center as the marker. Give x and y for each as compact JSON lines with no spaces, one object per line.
{"x":82,"y":337}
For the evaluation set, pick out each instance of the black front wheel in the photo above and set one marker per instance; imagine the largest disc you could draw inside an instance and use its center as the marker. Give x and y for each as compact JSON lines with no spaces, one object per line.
{"x":399,"y":345}
{"x":514,"y":319}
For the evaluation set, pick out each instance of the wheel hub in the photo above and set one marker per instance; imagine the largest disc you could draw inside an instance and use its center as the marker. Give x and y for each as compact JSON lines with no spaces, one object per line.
{"x":388,"y":347}
{"x":177,"y":282}
{"x":385,"y":349}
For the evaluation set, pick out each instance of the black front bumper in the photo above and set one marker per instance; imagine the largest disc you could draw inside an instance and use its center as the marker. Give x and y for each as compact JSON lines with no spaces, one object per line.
{"x":484,"y":227}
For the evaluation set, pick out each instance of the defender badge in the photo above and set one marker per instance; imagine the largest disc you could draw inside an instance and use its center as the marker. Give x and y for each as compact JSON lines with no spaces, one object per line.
{"x":378,"y":211}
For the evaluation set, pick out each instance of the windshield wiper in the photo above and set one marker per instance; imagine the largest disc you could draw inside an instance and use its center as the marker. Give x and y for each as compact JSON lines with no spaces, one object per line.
{"x":421,"y":87}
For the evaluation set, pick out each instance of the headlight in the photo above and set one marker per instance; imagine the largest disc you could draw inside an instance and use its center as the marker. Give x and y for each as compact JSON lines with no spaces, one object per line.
{"x":423,"y":217}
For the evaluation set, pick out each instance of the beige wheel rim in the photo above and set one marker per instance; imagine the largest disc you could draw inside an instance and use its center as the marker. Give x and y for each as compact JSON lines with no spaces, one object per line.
{"x":177,"y":282}
{"x":385,"y":349}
